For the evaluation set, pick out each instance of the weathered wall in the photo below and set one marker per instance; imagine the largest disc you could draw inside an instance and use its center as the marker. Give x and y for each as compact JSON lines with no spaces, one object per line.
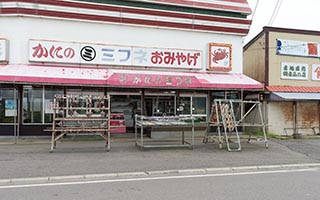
{"x":276,"y":60}
{"x":26,"y":28}
{"x":254,"y":60}
{"x":281,"y":115}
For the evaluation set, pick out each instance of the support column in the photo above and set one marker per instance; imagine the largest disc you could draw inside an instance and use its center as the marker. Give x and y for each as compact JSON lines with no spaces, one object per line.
{"x":319,"y":117}
{"x":295,"y":120}
{"x":143,"y":102}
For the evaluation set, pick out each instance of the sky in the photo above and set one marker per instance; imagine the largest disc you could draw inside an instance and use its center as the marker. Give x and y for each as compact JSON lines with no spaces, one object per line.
{"x":297,"y":14}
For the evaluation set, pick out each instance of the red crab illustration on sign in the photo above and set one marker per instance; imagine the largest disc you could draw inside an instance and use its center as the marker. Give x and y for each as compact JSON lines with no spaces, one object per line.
{"x":220,"y":57}
{"x":219,"y":54}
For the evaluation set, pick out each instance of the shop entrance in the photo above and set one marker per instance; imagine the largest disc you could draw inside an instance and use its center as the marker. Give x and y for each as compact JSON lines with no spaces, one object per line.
{"x":160,"y":105}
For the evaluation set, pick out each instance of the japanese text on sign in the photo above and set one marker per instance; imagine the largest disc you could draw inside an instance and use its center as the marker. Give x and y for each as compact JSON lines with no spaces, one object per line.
{"x":298,"y":48}
{"x":294,"y":71}
{"x":153,"y":80}
{"x":316,"y":72}
{"x":51,"y":51}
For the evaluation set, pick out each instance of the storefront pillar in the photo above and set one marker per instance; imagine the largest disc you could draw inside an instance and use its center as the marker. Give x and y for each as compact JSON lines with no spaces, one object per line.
{"x":295,"y":135}
{"x":143,"y":102}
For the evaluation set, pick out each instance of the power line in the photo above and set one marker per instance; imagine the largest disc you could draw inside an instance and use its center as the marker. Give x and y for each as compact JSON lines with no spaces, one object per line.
{"x":275,"y":12}
{"x":255,"y":9}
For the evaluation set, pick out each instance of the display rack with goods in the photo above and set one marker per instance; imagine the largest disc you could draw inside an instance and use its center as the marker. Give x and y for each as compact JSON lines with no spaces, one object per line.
{"x":80,"y":114}
{"x":176,"y":122}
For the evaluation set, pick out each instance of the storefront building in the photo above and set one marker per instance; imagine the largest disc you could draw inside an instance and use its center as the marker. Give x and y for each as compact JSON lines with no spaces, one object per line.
{"x":287,"y":61}
{"x":152,"y":57}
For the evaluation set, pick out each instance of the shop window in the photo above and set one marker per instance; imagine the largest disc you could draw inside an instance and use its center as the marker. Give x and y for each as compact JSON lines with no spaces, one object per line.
{"x":237,"y":106}
{"x":161,"y":105}
{"x":225,"y":95}
{"x":199,"y":105}
{"x":218,"y":95}
{"x":197,"y":109}
{"x":184,"y":106}
{"x":78,"y":92}
{"x":8,"y":104}
{"x":49,"y":93}
{"x":85,"y":91}
{"x":32,"y":106}
{"x":128,"y":105}
{"x":233,"y":95}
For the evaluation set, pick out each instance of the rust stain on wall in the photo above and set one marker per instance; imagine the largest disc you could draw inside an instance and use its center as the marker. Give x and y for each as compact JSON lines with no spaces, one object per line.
{"x":308,"y":114}
{"x":287,"y":111}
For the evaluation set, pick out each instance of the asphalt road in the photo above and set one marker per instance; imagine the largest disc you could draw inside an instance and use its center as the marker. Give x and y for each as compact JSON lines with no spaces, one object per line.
{"x":284,"y":184}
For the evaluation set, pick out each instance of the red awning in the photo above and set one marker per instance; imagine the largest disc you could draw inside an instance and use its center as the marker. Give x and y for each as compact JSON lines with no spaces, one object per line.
{"x":124,"y":78}
{"x":165,"y":79}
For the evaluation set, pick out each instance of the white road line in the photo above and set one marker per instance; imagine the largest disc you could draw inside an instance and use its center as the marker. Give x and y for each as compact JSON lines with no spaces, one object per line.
{"x":155,"y":178}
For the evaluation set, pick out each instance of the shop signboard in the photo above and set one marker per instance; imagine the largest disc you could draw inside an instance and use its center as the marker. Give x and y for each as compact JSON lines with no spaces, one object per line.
{"x":4,"y":50}
{"x":316,"y":72}
{"x":298,"y":48}
{"x":104,"y":54}
{"x":297,"y":71}
{"x":220,"y":57}
{"x":153,"y":80}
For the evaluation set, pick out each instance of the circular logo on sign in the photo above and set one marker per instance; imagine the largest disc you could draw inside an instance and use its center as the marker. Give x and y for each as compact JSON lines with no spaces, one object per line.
{"x":88,"y":53}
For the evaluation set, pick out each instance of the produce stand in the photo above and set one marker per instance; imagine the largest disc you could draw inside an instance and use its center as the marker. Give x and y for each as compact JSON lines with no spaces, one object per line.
{"x":80,"y":114}
{"x":178,"y":122}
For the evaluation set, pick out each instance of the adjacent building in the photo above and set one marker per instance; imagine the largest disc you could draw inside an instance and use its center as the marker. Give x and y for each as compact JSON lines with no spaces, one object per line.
{"x":287,"y":62}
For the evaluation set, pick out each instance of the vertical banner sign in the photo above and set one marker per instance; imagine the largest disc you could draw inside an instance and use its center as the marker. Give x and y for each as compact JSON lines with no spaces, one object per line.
{"x":220,"y":57}
{"x":316,"y":72}
{"x":297,"y":71}
{"x":4,"y":50}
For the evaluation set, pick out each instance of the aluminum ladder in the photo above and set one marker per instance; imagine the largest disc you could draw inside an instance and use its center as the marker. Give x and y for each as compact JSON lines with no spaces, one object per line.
{"x":225,"y":111}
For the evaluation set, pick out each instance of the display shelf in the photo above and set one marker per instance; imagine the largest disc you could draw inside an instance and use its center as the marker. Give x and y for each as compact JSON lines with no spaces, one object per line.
{"x":164,"y":121}
{"x":90,"y":114}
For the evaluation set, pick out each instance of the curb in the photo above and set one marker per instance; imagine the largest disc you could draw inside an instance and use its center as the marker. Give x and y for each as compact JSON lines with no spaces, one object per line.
{"x":155,"y":173}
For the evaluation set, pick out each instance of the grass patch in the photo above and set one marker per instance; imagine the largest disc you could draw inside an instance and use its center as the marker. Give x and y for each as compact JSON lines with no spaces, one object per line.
{"x":260,"y":134}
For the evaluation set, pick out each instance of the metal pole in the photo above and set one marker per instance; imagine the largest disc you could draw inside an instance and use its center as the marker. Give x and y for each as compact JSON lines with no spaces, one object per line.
{"x":15,"y":114}
{"x":20,"y":97}
{"x":142,"y":102}
{"x":295,"y":119}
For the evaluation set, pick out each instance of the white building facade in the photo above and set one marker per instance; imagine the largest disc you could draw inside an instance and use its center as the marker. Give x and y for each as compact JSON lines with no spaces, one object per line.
{"x":152,"y":56}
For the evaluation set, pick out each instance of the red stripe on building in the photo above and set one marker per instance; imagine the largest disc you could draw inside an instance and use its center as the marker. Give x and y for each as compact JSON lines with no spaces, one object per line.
{"x":293,"y":89}
{"x":193,"y":4}
{"x":212,"y":6}
{"x":122,"y":20}
{"x":144,"y":12}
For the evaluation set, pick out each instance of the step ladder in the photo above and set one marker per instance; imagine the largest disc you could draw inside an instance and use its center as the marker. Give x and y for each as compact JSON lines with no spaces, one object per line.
{"x":223,"y":119}
{"x":229,"y":123}
{"x":212,"y":123}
